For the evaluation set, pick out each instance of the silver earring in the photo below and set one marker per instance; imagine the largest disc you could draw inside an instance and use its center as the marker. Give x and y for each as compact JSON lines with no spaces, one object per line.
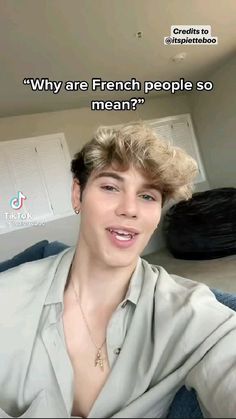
{"x":76,"y":211}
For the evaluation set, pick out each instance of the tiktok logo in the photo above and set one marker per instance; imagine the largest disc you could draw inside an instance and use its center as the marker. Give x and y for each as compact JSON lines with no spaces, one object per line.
{"x":17,"y":201}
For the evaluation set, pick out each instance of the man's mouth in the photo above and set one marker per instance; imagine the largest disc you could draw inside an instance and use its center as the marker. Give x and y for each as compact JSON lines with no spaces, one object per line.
{"x":122,"y":235}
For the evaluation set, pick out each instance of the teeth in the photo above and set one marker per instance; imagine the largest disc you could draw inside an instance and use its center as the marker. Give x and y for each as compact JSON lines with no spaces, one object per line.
{"x":123,"y":238}
{"x":121,"y":232}
{"x":124,"y":233}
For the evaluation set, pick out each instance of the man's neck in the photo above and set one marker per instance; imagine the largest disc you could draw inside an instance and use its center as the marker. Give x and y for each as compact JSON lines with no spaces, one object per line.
{"x":97,"y":284}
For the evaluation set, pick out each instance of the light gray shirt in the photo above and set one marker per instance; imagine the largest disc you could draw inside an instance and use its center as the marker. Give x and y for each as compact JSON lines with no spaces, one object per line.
{"x":167,"y":332}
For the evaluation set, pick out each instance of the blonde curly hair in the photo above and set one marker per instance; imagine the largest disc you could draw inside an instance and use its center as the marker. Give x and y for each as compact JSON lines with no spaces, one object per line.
{"x":169,"y":168}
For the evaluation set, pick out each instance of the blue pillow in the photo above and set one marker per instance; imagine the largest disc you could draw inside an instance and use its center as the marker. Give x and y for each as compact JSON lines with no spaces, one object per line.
{"x":31,"y":253}
{"x":226,"y":298}
{"x":54,"y":248}
{"x":185,"y":405}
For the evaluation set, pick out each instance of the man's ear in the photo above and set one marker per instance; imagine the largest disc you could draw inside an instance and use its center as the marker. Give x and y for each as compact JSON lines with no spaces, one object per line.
{"x":75,"y":194}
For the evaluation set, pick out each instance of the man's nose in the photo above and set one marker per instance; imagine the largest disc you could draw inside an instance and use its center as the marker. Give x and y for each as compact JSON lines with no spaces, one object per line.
{"x":128,"y":206}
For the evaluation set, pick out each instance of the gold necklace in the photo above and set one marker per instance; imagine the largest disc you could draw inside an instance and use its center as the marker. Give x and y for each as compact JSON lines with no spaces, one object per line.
{"x":98,"y":359}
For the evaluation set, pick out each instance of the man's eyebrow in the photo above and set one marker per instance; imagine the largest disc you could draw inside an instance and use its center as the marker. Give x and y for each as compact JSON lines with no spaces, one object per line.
{"x":121,"y":179}
{"x":109,"y":174}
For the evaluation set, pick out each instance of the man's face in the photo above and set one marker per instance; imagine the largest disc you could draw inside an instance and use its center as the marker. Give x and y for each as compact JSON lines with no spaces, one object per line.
{"x":119,"y":212}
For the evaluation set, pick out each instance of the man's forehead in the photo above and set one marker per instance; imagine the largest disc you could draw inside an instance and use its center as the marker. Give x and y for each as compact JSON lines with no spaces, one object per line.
{"x":119,"y":172}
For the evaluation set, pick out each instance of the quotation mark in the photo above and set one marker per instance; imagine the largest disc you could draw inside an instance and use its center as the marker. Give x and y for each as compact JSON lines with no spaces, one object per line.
{"x":26,"y":81}
{"x":136,"y":101}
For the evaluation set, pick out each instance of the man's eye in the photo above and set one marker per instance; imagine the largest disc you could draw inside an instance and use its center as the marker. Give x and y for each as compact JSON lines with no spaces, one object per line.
{"x":148,"y":197}
{"x":109,"y":188}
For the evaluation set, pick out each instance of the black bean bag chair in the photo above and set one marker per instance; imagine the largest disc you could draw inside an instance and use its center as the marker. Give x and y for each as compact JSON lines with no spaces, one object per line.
{"x":203,"y":227}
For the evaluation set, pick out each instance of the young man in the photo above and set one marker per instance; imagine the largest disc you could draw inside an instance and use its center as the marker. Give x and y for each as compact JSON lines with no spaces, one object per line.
{"x":98,"y":332}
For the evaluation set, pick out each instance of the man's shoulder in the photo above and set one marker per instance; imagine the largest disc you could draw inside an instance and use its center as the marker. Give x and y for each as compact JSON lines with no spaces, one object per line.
{"x":24,"y":289}
{"x":176,"y":289}
{"x":168,"y":281}
{"x":38,"y":271}
{"x":184,"y":303}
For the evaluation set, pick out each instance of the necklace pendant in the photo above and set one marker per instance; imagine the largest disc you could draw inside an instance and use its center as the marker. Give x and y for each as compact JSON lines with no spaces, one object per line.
{"x":99,"y":360}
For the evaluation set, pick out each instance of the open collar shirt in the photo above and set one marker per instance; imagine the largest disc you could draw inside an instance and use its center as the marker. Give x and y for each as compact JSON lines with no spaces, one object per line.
{"x":168,"y":331}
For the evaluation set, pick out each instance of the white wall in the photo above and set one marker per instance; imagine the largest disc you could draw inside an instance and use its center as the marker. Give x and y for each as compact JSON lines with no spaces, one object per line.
{"x":78,"y":126}
{"x":214,"y":116}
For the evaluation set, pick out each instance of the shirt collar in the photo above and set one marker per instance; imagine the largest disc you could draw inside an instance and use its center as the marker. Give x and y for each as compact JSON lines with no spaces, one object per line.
{"x":135,"y":285}
{"x":56,"y":291}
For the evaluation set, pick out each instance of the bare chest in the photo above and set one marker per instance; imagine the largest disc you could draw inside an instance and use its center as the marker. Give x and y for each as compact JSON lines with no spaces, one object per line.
{"x":91,"y":368}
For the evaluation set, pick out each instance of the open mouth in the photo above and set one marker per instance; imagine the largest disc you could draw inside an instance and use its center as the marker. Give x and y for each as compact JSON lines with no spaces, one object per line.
{"x":122,"y":235}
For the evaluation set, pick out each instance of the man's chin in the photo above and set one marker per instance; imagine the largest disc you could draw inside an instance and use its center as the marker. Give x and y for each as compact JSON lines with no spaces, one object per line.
{"x":123,"y":261}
